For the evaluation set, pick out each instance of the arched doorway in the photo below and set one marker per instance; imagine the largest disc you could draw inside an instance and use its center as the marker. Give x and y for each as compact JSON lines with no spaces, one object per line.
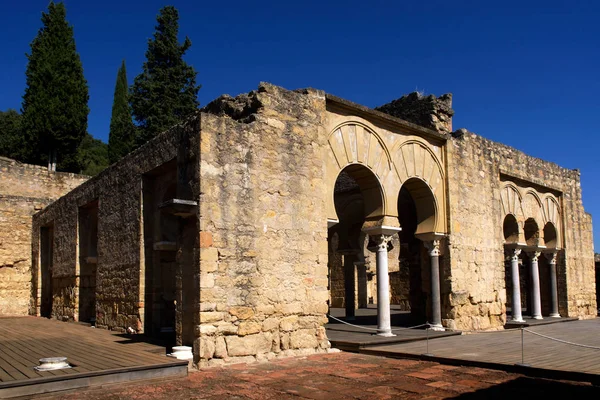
{"x":419,"y":251}
{"x":357,"y":197}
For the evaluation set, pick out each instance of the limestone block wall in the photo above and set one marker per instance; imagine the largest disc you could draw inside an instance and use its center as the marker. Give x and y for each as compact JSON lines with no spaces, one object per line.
{"x":24,"y":190}
{"x":120,"y":261}
{"x":263,"y":239}
{"x":475,"y":249}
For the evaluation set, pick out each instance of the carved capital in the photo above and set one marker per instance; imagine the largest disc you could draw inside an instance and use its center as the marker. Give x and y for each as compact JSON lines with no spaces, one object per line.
{"x":551,"y":257}
{"x":515,"y":255}
{"x":379,"y":242}
{"x":534,"y":255}
{"x":433,"y":246}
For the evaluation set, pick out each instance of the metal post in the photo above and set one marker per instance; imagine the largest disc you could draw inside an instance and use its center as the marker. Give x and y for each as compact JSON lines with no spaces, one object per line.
{"x":522,"y":363}
{"x":427,"y":353}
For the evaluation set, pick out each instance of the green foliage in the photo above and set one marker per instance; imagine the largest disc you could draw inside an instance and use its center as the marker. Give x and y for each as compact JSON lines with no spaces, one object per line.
{"x":121,"y":139}
{"x":92,"y":155}
{"x":166,"y":91}
{"x":11,"y":141}
{"x":55,"y":102}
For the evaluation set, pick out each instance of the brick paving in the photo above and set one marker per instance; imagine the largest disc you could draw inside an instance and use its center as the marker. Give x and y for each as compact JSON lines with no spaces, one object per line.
{"x":343,"y":376}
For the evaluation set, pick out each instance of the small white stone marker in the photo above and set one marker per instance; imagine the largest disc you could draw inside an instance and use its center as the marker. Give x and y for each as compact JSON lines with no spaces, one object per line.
{"x":52,"y":363}
{"x":182,"y":353}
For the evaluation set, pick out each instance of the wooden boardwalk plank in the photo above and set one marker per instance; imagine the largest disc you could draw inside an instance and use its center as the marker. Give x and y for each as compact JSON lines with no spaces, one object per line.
{"x":24,"y":340}
{"x":504,"y":347}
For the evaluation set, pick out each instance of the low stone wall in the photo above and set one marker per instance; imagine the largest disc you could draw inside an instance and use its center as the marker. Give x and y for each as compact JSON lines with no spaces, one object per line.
{"x":24,"y":190}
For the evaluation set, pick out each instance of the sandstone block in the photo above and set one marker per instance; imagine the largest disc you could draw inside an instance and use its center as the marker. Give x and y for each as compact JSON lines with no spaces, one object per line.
{"x":303,"y":338}
{"x":220,"y":347}
{"x":248,"y":345}
{"x":211,"y":316}
{"x":242,"y":312}
{"x":207,"y":347}
{"x":249,"y":328}
{"x":289,"y":323}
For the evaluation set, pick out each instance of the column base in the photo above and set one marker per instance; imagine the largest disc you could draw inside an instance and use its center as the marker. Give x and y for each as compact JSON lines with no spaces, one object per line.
{"x":518,"y":320}
{"x":438,"y":328}
{"x":555,"y":315}
{"x":537,"y":317}
{"x":385,"y":334}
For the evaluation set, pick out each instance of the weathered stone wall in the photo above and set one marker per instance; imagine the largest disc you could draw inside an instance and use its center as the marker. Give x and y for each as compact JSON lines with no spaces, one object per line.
{"x":427,"y":111}
{"x":477,"y":171}
{"x":120,"y":264}
{"x":24,"y":190}
{"x":263,"y":282}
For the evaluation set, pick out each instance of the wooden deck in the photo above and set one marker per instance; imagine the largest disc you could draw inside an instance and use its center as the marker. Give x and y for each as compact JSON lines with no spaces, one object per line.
{"x":97,"y":356}
{"x":503,"y":348}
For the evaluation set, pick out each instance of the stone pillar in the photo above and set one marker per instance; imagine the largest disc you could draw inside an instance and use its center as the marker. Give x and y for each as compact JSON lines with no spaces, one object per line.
{"x":361,"y":291}
{"x":349,"y":283}
{"x":516,"y":286}
{"x":436,"y":310}
{"x":384,"y":324}
{"x":553,"y":284}
{"x":536,"y":302}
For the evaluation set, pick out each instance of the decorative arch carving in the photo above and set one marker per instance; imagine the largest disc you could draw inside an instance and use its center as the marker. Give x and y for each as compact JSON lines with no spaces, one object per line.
{"x":414,"y":159}
{"x":511,"y":202}
{"x":356,"y":143}
{"x":532,"y":207}
{"x":552,"y":214}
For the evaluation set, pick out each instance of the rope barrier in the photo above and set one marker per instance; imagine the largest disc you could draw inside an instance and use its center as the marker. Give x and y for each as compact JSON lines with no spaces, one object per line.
{"x":375,"y":329}
{"x":562,"y":341}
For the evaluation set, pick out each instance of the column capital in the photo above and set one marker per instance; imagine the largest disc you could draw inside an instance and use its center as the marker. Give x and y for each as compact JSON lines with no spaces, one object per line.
{"x":514,"y":254}
{"x":433,"y":246}
{"x":381,"y":242}
{"x":534,"y":255}
{"x":551,"y":256}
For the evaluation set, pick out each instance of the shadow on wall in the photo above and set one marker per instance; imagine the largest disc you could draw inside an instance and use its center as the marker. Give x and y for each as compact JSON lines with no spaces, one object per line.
{"x":529,"y":388}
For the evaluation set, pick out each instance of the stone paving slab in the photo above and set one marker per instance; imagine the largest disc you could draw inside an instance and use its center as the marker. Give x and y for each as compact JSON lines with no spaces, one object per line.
{"x":344,"y":376}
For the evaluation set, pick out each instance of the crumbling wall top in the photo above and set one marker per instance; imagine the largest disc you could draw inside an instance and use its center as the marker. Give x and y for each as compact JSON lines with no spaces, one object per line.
{"x":428,"y":111}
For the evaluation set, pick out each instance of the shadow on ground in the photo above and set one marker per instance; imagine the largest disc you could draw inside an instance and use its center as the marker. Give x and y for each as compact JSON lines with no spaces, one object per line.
{"x":530,"y":388}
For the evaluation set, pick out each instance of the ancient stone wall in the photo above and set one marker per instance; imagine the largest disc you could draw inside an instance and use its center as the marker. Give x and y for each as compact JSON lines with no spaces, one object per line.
{"x":24,"y":190}
{"x":116,"y":194}
{"x":428,"y":111}
{"x":478,"y":172}
{"x":263,"y":282}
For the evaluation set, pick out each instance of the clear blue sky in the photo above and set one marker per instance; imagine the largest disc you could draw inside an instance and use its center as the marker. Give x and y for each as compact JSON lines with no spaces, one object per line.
{"x":523,"y":73}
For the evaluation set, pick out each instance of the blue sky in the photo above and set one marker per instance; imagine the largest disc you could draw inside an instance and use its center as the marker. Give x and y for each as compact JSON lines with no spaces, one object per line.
{"x":523,"y":73}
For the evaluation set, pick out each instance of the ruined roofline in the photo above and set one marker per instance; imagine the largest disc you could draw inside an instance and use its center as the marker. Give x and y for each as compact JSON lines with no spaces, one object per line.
{"x":361,"y":110}
{"x":244,"y":107}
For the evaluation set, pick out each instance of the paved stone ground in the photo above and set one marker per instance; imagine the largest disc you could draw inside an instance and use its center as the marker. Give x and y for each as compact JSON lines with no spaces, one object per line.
{"x":344,"y":376}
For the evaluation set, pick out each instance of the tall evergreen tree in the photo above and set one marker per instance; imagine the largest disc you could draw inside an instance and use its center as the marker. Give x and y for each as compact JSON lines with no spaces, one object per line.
{"x":11,"y":140}
{"x":121,"y":138}
{"x":55,"y":106}
{"x":166,"y":90}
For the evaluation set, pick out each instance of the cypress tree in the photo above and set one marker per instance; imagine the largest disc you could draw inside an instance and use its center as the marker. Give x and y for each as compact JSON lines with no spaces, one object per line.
{"x":122,"y":131}
{"x":11,"y":139}
{"x":166,"y":91}
{"x":54,"y":106}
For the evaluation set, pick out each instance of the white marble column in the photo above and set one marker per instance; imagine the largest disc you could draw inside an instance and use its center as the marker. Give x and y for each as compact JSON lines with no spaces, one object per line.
{"x":553,"y":284}
{"x":516,"y":286}
{"x":436,"y":310}
{"x":536,"y":301}
{"x":384,"y":327}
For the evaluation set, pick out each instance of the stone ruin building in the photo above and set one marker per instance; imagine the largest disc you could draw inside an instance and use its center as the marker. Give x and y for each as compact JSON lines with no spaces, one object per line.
{"x":237,"y":230}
